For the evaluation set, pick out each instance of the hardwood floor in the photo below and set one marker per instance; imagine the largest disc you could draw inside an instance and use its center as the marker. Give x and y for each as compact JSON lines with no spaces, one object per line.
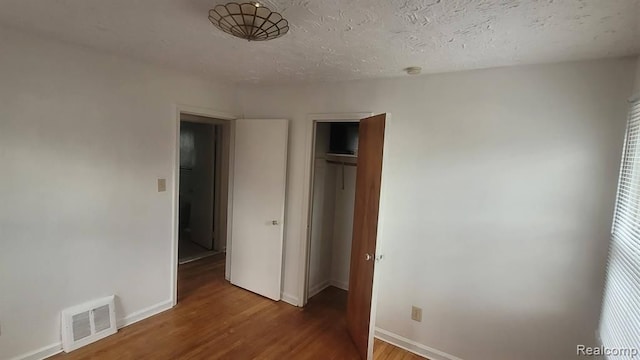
{"x":215,"y":320}
{"x":190,"y":251}
{"x":386,"y":351}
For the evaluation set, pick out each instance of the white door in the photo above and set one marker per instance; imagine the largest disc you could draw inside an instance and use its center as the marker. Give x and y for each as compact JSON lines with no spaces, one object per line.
{"x":259,"y":180}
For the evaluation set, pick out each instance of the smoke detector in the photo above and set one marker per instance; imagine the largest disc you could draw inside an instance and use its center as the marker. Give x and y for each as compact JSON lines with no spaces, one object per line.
{"x":413,"y":70}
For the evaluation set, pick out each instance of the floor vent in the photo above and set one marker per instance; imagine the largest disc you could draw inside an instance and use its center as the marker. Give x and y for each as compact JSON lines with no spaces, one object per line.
{"x":89,"y":322}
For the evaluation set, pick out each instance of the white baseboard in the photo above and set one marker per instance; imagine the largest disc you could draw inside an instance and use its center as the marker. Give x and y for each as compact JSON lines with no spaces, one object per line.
{"x":340,"y":285}
{"x":41,"y":353}
{"x":315,"y":290}
{"x":412,"y":346}
{"x":144,"y":313}
{"x":290,"y":299}
{"x":56,"y":348}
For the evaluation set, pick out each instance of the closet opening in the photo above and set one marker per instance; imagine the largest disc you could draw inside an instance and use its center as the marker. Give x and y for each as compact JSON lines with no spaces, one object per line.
{"x":333,"y":184}
{"x":342,"y":201}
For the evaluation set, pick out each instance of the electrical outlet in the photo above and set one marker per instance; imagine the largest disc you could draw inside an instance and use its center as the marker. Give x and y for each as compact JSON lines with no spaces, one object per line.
{"x":162,"y":185}
{"x":416,"y":314}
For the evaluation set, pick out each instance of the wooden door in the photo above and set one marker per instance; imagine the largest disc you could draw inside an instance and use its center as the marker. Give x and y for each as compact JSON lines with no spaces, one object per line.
{"x":259,"y":182}
{"x":365,"y":229}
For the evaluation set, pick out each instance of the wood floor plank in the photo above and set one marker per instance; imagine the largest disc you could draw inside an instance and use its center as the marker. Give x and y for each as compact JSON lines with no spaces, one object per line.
{"x":385,"y":351}
{"x":216,"y":320}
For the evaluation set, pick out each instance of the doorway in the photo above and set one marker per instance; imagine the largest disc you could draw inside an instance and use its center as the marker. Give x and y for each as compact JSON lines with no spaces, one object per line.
{"x":332,"y":203}
{"x":203,"y":157}
{"x":324,"y":168}
{"x":340,"y":251}
{"x":199,"y":180}
{"x":248,"y":196}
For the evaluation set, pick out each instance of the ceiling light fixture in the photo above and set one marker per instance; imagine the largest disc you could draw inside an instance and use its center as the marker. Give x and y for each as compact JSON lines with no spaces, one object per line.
{"x":250,"y":21}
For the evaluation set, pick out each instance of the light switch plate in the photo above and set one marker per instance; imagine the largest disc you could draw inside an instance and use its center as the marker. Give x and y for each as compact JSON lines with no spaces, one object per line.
{"x":162,"y":185}
{"x":416,"y":313}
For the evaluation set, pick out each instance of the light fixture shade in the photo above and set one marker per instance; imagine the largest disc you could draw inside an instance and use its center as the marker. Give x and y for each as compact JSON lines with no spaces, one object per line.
{"x":250,"y":21}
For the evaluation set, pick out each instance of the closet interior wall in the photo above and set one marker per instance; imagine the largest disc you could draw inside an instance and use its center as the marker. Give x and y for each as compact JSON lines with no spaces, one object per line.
{"x":332,"y":217}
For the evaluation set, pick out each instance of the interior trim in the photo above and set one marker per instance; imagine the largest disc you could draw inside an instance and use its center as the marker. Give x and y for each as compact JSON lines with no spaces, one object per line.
{"x":289,"y":299}
{"x":144,"y":313}
{"x":53,"y":349}
{"x":412,"y":346}
{"x":42,"y":353}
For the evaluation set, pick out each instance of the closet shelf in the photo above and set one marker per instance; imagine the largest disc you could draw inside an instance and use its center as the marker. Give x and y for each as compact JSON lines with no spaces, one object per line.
{"x":341,"y":159}
{"x":342,"y":155}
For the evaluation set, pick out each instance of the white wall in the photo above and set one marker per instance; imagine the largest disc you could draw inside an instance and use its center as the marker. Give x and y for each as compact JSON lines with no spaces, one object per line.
{"x":83,"y":138}
{"x":499,"y":194}
{"x":323,"y":214}
{"x":637,"y":82}
{"x":343,"y":226}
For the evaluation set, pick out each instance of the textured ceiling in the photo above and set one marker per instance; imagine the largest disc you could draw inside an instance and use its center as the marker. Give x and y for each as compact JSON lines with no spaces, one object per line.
{"x":342,"y":39}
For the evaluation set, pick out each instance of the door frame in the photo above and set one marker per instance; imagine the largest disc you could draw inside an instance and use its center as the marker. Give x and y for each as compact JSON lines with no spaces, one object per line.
{"x":307,"y":192}
{"x":216,"y":118}
{"x":380,"y":238}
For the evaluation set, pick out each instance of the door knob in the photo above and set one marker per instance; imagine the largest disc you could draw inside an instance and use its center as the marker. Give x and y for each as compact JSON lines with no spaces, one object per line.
{"x":368,"y":257}
{"x":274,"y":222}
